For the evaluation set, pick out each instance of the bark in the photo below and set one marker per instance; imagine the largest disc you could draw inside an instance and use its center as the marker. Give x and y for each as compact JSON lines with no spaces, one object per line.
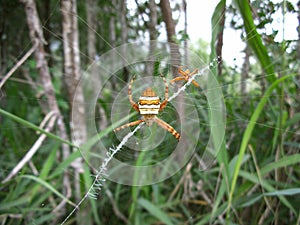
{"x":36,"y":36}
{"x":298,"y":42}
{"x":171,"y":34}
{"x":124,"y":34}
{"x":124,"y":29}
{"x":184,"y":5}
{"x":72,"y":71}
{"x":47,"y":34}
{"x":174,"y":51}
{"x":153,"y":36}
{"x":75,"y":92}
{"x":112,"y":38}
{"x":91,"y":11}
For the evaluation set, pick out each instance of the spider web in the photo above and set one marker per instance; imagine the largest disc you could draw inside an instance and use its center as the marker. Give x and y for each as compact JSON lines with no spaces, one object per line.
{"x":158,"y":146}
{"x":197,"y":96}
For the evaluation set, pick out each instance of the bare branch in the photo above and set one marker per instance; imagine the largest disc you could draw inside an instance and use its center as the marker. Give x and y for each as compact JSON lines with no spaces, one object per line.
{"x":32,"y":150}
{"x":17,"y":65}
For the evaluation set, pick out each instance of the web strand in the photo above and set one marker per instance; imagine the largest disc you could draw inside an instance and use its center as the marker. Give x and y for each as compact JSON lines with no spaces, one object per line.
{"x":100,"y":177}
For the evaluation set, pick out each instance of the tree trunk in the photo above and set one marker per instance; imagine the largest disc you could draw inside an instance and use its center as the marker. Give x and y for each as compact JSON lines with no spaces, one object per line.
{"x":75,"y":91}
{"x":72,"y":71}
{"x":124,"y":33}
{"x":153,"y":35}
{"x":47,"y":34}
{"x":171,"y":34}
{"x":36,"y":36}
{"x":186,"y":59}
{"x":174,"y":51}
{"x":112,"y":37}
{"x":91,"y":11}
{"x":298,"y":30}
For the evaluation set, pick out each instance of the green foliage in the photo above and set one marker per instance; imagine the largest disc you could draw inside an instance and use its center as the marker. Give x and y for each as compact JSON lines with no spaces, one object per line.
{"x":255,"y":177}
{"x":254,"y":39}
{"x":248,"y":135}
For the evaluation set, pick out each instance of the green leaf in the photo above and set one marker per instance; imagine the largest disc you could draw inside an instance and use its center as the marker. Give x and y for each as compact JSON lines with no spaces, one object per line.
{"x":63,"y":165}
{"x":47,"y":166}
{"x":290,"y":191}
{"x":49,"y":187}
{"x":216,"y":27}
{"x":155,"y":211}
{"x":253,"y":178}
{"x":34,"y":127}
{"x":248,"y":133}
{"x":294,"y":120}
{"x":283,"y":162}
{"x":254,"y":39}
{"x":14,"y":203}
{"x":135,"y":188}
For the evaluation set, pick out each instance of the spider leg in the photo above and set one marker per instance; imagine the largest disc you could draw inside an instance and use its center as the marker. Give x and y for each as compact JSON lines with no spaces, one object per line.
{"x":167,"y":127}
{"x":186,"y":75}
{"x":164,"y":103}
{"x":177,"y":79}
{"x":134,"y":105}
{"x":195,"y":83}
{"x":194,"y":72}
{"x":134,"y":123}
{"x":191,"y":74}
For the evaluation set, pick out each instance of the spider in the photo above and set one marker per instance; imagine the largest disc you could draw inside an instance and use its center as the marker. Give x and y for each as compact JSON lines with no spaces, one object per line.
{"x":185,"y":75}
{"x":148,"y":107}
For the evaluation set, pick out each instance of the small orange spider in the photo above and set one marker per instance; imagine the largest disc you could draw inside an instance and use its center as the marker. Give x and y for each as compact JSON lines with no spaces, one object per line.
{"x":148,"y":107}
{"x":185,"y":75}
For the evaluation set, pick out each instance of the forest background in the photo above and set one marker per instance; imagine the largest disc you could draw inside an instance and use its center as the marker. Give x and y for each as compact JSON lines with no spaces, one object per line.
{"x":48,"y":52}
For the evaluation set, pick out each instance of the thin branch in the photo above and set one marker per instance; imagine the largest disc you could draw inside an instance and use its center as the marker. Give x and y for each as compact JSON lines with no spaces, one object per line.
{"x":32,"y":150}
{"x":46,"y":119}
{"x":17,"y":65}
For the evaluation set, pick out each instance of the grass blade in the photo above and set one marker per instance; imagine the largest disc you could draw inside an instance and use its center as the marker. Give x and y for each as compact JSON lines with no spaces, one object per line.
{"x":283,"y":162}
{"x":248,"y":133}
{"x":253,"y":178}
{"x":155,"y":211}
{"x":34,"y":127}
{"x":49,"y":187}
{"x":254,"y":39}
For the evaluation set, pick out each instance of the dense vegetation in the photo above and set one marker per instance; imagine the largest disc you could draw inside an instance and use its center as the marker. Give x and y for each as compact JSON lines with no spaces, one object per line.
{"x":64,"y":73}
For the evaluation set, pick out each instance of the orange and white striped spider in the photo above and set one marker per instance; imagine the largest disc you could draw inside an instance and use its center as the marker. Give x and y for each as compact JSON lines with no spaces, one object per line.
{"x":148,"y":107}
{"x":185,"y":75}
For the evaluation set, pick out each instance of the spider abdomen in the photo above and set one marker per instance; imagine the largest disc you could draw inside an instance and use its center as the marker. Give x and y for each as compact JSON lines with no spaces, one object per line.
{"x":149,"y":105}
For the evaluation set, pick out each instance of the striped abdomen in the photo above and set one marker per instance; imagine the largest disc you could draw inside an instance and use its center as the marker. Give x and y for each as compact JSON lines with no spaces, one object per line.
{"x":149,"y":103}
